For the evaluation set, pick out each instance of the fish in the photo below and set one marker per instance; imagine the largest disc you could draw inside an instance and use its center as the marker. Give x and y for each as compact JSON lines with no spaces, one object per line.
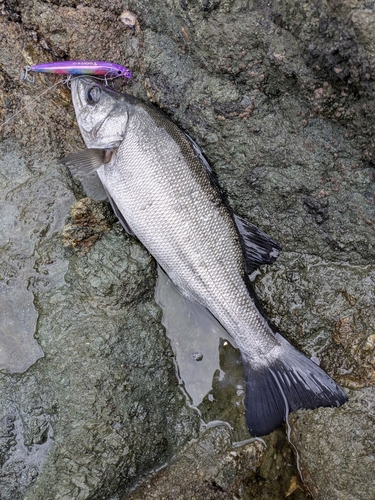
{"x":164,"y":192}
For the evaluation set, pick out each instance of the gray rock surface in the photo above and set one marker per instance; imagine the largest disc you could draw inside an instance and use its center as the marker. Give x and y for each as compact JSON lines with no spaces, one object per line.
{"x":104,"y":402}
{"x":280,"y":96}
{"x":340,"y":464}
{"x":209,"y":468}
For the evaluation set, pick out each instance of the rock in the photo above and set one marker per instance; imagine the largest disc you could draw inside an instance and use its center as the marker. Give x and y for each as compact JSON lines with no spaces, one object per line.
{"x":96,"y":392}
{"x":212,"y":468}
{"x":209,"y":468}
{"x":340,"y":463}
{"x":89,"y":221}
{"x":280,"y":96}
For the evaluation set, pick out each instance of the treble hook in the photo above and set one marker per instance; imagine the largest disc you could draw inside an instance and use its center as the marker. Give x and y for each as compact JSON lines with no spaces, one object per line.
{"x":68,"y":82}
{"x":25,"y":75}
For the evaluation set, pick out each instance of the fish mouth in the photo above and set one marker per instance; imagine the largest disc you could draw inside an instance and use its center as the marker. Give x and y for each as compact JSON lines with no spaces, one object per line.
{"x":79,"y":85}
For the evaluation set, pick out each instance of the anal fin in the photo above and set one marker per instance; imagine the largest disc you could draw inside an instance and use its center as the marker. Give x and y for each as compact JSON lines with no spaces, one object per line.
{"x":258,"y":247}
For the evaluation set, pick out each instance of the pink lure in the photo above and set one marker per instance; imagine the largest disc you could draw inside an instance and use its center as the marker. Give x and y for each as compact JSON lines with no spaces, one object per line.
{"x":94,"y":68}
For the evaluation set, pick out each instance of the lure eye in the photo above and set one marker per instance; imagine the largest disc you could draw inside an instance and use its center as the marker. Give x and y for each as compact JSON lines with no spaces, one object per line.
{"x":93,"y":95}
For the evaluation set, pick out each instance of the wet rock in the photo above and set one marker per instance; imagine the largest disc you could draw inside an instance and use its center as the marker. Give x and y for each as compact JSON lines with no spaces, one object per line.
{"x":86,"y":398}
{"x":214,"y":467}
{"x":280,"y":96}
{"x":210,"y":468}
{"x":340,"y":463}
{"x":24,"y":219}
{"x":329,"y":312}
{"x":89,"y":220}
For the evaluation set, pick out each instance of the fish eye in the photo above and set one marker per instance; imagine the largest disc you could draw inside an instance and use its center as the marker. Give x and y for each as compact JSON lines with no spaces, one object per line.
{"x":93,"y":95}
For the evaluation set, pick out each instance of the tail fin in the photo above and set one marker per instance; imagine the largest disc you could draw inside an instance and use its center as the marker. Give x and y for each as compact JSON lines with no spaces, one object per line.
{"x":287,"y":384}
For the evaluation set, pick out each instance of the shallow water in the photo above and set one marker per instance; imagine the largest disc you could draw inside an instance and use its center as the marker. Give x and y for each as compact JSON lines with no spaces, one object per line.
{"x":18,"y":348}
{"x":18,"y":316}
{"x":195,"y":336}
{"x":208,"y":364}
{"x":30,"y":206}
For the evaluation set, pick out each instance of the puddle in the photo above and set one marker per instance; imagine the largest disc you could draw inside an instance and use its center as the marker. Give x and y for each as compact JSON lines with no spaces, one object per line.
{"x":208,"y":362}
{"x":18,"y":317}
{"x":31,"y":206}
{"x":91,"y":184}
{"x":195,"y":335}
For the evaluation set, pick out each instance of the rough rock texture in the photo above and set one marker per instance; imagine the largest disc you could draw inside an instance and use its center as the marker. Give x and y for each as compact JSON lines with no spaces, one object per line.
{"x":340,"y":464}
{"x":104,"y":401}
{"x":207,"y":469}
{"x":280,"y":96}
{"x":89,"y":220}
{"x":212,"y":469}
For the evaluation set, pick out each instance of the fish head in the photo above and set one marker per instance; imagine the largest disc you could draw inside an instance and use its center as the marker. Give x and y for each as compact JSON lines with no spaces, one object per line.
{"x":102,"y":114}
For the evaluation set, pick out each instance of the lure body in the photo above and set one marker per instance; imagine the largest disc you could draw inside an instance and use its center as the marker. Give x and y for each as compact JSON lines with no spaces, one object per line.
{"x":93,"y":68}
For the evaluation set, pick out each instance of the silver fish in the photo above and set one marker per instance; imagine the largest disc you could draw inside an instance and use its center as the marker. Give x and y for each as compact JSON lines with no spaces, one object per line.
{"x":164,"y":192}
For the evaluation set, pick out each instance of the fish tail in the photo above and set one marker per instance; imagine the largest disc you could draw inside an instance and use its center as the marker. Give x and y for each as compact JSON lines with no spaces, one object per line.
{"x":290,"y":382}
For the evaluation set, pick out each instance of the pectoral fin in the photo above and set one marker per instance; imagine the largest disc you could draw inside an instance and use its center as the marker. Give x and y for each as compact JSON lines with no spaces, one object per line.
{"x":257,"y":246}
{"x":87,"y":160}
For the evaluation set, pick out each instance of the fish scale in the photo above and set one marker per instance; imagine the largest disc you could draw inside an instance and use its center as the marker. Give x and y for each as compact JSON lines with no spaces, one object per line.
{"x":177,"y":198}
{"x":163,"y":192}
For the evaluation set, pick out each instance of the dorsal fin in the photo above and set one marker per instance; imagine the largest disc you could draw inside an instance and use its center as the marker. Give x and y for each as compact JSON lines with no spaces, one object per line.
{"x":204,"y":162}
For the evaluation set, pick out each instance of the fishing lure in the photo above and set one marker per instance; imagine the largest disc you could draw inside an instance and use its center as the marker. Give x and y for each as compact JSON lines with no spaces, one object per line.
{"x":93,"y":68}
{"x":105,"y":69}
